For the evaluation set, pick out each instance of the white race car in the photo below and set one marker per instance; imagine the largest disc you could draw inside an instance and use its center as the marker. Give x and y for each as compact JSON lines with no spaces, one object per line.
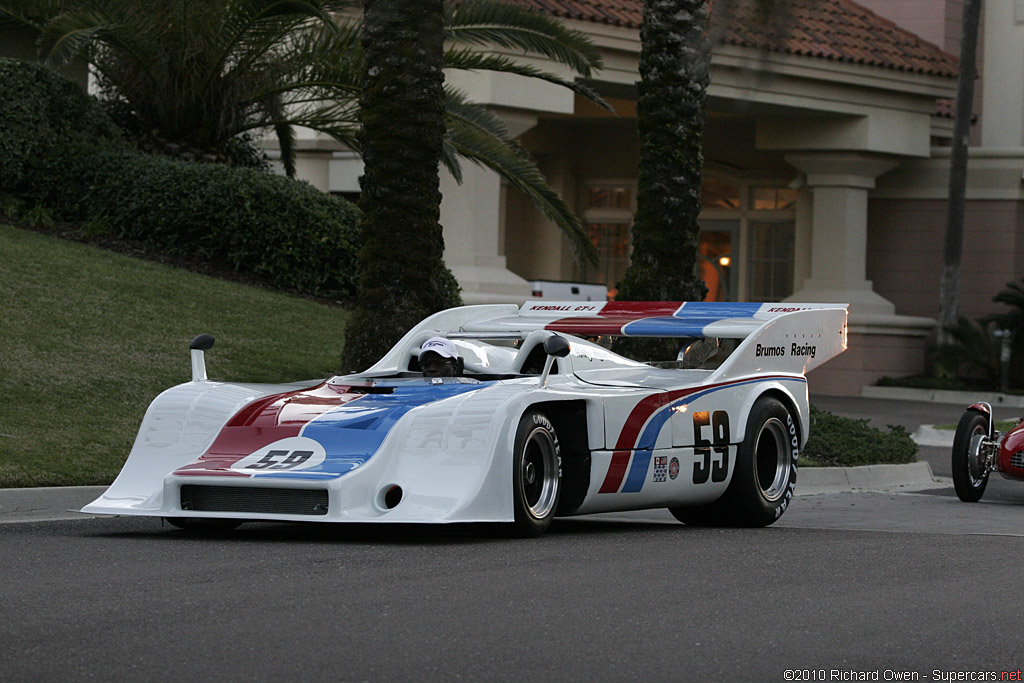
{"x":542,"y":421}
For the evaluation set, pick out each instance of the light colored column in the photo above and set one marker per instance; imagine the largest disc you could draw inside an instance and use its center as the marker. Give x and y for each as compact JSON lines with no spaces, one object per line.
{"x":1002,"y":78}
{"x":839,"y":184}
{"x":471,"y":215}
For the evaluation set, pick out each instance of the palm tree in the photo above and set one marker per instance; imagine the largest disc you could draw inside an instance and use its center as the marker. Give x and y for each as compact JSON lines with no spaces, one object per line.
{"x":403,"y":278}
{"x":675,"y":65}
{"x":675,"y":62}
{"x":953,"y":244}
{"x":196,"y":75}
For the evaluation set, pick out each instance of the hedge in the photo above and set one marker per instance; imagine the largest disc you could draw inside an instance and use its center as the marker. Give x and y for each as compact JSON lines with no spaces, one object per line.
{"x":66,"y":156}
{"x":284,"y":231}
{"x":41,"y":113}
{"x":848,"y":442}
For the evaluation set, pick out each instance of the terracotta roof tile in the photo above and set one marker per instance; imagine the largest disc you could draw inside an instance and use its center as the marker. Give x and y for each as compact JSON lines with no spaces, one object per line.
{"x":839,"y":30}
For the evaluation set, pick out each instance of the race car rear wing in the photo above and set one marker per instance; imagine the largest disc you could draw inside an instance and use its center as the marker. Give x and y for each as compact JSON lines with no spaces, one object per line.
{"x":790,"y":337}
{"x":695,"y":319}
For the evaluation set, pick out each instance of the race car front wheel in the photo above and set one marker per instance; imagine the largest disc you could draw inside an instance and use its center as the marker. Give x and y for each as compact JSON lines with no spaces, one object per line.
{"x":969,"y":477}
{"x":536,"y":474}
{"x":763,"y":482}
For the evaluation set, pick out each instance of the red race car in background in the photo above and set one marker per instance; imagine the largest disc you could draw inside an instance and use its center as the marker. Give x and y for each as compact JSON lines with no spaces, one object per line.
{"x":978,"y":450}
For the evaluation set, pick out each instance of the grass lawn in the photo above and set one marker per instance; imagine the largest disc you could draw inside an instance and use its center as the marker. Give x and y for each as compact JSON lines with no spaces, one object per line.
{"x":89,"y":337}
{"x":1001,"y":425}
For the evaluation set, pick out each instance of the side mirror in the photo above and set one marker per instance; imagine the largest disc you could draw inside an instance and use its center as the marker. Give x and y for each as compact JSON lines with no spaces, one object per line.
{"x":201,"y":343}
{"x":555,"y":347}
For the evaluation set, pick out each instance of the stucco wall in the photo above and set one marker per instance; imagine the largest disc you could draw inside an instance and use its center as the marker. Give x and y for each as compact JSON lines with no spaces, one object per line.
{"x":868,"y":357}
{"x":905,"y":243}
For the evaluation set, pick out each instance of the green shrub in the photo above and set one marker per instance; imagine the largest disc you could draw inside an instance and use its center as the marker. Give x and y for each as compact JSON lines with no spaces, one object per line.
{"x":846,"y":442}
{"x":284,"y":231}
{"x":77,"y":167}
{"x":974,"y":353}
{"x":41,"y":113}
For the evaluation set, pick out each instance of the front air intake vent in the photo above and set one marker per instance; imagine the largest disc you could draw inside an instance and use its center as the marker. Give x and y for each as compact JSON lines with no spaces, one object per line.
{"x":1017,"y":460}
{"x":253,"y":499}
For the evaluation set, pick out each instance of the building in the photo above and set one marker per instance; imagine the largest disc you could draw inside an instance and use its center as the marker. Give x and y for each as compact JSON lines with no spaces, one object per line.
{"x":826,"y":169}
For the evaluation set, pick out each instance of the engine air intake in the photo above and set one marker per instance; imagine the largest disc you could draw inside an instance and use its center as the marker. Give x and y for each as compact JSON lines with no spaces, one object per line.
{"x":254,"y":499}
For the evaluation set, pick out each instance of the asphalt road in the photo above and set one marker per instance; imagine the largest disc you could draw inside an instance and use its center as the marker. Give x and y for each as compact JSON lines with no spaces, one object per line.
{"x":843,"y":587}
{"x":615,"y":598}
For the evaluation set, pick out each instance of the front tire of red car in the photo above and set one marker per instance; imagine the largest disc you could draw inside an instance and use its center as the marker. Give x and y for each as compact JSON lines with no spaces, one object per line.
{"x":536,"y":474}
{"x":971,"y":430}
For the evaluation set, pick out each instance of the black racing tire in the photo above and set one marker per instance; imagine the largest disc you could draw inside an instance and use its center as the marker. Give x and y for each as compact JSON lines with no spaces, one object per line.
{"x":712,"y":514}
{"x":764,"y":477}
{"x":536,"y":474}
{"x":968,"y":488}
{"x":204,"y":525}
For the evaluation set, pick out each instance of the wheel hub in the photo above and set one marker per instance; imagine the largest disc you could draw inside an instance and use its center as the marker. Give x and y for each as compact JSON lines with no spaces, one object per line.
{"x":975,"y":466}
{"x":529,"y":473}
{"x":773,"y":459}
{"x":539,"y":473}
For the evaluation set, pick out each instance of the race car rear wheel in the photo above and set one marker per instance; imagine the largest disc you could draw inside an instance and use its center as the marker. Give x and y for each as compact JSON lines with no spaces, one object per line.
{"x":204,"y":524}
{"x":764,"y":479}
{"x":536,"y":474}
{"x":969,"y":478}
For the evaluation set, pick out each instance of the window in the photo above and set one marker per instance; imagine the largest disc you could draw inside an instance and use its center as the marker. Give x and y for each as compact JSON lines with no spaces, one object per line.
{"x":714,"y":262}
{"x":608,"y":217}
{"x":771,"y":260}
{"x":612,"y":242}
{"x":772,"y":198}
{"x":610,"y":197}
{"x":719,"y":194}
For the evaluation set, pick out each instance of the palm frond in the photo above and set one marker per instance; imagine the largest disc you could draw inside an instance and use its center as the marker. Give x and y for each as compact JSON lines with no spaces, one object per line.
{"x":1013,"y":296}
{"x":491,"y":22}
{"x":74,"y":33}
{"x":250,"y":30}
{"x":468,"y":59}
{"x":471,"y":133}
{"x":974,"y":350}
{"x":33,"y":14}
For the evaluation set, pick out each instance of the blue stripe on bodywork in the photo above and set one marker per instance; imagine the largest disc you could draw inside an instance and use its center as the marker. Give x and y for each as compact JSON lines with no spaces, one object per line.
{"x":719,"y":310}
{"x":352,"y":433}
{"x":649,"y":436}
{"x":691,"y":319}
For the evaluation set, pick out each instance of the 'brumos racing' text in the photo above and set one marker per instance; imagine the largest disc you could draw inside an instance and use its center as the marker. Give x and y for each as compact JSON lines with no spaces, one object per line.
{"x":781,"y":351}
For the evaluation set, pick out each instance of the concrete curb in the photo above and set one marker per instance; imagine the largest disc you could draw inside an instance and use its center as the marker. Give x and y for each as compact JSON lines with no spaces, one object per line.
{"x":963,"y":398}
{"x":64,"y":502}
{"x":916,"y":476}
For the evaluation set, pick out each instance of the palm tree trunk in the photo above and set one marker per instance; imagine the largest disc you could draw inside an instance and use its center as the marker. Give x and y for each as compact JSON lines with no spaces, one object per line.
{"x":403,"y":278}
{"x":949,"y":297}
{"x":675,"y":61}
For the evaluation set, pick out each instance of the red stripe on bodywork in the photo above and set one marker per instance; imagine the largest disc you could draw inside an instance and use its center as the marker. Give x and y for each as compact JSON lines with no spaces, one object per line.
{"x":612,"y":317}
{"x":639,"y":416}
{"x":263,"y":422}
